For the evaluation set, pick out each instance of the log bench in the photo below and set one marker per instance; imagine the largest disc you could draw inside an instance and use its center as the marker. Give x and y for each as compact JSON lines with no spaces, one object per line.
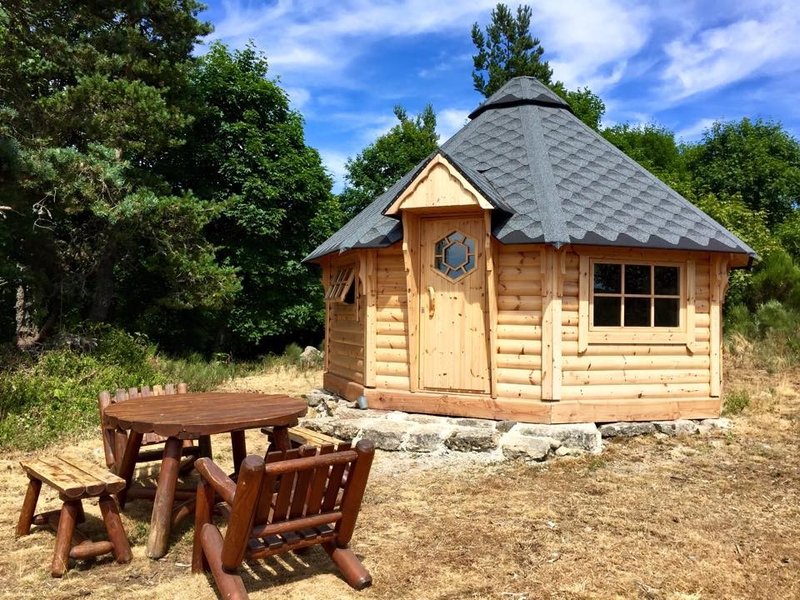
{"x":301,"y":436}
{"x":74,"y":480}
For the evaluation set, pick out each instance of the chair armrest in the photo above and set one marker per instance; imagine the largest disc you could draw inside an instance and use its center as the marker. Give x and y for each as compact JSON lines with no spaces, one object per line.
{"x":222,"y":484}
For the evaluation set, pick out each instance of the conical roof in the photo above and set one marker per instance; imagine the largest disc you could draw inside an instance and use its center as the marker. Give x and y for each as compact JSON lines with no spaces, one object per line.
{"x":553,"y":180}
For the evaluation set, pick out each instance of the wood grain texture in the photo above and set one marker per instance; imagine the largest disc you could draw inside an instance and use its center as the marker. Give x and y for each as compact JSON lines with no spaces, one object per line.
{"x":192,"y":415}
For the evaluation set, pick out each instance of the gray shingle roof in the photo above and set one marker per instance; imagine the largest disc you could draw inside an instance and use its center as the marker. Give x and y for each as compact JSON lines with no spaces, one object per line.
{"x":552,"y":180}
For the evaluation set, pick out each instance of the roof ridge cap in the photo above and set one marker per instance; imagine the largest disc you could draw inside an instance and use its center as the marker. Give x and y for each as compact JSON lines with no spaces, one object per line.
{"x":548,"y":201}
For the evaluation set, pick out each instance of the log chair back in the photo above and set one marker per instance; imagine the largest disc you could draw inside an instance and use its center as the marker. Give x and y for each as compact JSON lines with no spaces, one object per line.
{"x":294,"y":499}
{"x":114,"y":441}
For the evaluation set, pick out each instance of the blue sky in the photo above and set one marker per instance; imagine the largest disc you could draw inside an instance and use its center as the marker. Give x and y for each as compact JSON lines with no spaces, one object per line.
{"x":679,"y":63}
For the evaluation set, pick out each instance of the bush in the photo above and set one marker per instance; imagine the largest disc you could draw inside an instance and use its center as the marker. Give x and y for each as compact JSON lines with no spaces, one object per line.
{"x":735,"y":402}
{"x":56,"y":394}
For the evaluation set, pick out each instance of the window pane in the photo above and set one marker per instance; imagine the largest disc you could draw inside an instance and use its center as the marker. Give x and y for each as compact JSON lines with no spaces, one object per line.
{"x":637,"y":311}
{"x":607,"y":278}
{"x":455,"y":255}
{"x":667,"y":312}
{"x":666,"y":279}
{"x":637,"y":279}
{"x":607,"y":311}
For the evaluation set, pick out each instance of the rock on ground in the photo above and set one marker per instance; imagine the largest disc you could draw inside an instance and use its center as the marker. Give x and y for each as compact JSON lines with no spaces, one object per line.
{"x":472,"y":439}
{"x":516,"y":446}
{"x":679,"y":427}
{"x":625,"y":429}
{"x":585,"y":436}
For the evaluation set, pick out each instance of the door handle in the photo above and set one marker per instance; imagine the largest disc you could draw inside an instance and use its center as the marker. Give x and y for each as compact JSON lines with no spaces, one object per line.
{"x":431,"y":301}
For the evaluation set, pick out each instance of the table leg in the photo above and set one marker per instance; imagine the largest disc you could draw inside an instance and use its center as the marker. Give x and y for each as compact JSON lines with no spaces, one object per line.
{"x":128,"y":465}
{"x":161,"y":520}
{"x":239,"y":447}
{"x":280,"y":437}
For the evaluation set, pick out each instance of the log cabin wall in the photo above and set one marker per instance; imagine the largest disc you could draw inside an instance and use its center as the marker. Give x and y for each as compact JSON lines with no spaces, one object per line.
{"x":391,"y":315}
{"x":519,"y":322}
{"x":641,"y":379}
{"x":345,"y":325}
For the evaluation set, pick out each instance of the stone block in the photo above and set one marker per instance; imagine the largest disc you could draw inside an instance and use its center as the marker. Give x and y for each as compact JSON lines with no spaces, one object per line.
{"x":585,"y":436}
{"x":472,"y":439}
{"x":385,"y":434}
{"x":427,"y":437}
{"x":719,"y":423}
{"x":527,"y":447}
{"x":677,"y":427}
{"x":626,"y":430}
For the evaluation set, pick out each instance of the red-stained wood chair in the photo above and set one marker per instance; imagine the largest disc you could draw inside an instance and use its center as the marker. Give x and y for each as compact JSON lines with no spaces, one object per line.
{"x":115,"y":440}
{"x":293,"y":500}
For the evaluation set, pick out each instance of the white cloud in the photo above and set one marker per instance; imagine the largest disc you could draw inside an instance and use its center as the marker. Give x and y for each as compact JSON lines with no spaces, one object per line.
{"x":764,"y":42}
{"x":298,"y":96}
{"x":450,"y":120}
{"x":334,"y":162}
{"x":695,"y":130}
{"x":588,"y":42}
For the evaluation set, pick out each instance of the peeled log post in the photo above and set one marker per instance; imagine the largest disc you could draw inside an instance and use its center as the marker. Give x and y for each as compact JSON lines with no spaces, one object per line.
{"x":114,"y":529}
{"x":28,"y":507}
{"x":66,"y":527}
{"x":161,"y":521}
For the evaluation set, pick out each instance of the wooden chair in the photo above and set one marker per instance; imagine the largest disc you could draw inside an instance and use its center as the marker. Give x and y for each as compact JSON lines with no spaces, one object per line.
{"x":302,"y":436}
{"x":74,"y":480}
{"x":114,"y":441}
{"x":293,"y":500}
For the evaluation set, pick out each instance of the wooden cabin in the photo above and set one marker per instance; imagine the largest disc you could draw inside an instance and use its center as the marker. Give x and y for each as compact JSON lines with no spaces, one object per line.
{"x":529,"y":270}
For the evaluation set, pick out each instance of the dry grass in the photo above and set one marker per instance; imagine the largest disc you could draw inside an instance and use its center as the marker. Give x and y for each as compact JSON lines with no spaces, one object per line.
{"x":703,"y":517}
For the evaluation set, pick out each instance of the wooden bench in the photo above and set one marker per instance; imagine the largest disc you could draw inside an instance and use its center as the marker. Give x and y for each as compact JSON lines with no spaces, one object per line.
{"x":74,"y":480}
{"x":301,"y":436}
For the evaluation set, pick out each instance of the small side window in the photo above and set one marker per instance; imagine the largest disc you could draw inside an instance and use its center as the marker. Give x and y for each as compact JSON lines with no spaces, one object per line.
{"x":341,"y":287}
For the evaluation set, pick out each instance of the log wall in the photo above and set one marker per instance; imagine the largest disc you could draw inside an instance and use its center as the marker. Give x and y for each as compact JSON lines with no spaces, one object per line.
{"x":391,"y":315}
{"x":519,"y":322}
{"x":345,"y":328}
{"x":614,"y":372}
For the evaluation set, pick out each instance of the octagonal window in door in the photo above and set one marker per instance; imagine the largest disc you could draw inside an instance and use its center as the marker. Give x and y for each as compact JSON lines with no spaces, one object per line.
{"x":455,"y":255}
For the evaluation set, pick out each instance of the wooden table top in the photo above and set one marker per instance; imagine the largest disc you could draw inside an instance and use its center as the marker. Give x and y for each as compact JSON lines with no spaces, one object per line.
{"x":191,"y":415}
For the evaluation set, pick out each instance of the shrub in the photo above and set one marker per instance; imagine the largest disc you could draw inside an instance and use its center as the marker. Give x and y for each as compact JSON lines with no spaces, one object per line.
{"x":735,"y":402}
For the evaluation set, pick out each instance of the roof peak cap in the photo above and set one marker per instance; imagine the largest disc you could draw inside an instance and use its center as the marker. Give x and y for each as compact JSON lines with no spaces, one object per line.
{"x":518,"y":91}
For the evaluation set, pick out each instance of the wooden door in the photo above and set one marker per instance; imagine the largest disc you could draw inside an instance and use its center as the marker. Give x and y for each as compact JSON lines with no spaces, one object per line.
{"x":453,"y":349}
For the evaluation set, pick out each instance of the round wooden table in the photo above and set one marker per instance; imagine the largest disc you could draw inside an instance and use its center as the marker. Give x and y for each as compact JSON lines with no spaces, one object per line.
{"x":180,"y":417}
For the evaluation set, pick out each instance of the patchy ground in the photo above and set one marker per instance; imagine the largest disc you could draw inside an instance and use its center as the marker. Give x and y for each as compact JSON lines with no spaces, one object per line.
{"x":711,"y":516}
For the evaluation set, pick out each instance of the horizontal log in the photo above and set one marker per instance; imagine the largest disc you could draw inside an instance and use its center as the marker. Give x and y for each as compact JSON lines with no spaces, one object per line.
{"x":393,"y":328}
{"x":392,"y":291}
{"x":531,"y":347}
{"x":633,"y":409}
{"x":523,"y":274}
{"x":337,"y":337}
{"x":519,"y":288}
{"x":525,"y":362}
{"x":514,"y":390}
{"x":391,"y":355}
{"x":345,"y":373}
{"x":519,"y":303}
{"x":391,"y":368}
{"x":356,"y":327}
{"x":344,"y":387}
{"x":579,"y":378}
{"x":660,"y":390}
{"x":399,"y":342}
{"x":393,"y":382}
{"x":519,"y":259}
{"x":519,"y":332}
{"x":391,"y":315}
{"x":571,"y":349}
{"x":627,"y":362}
{"x":515,"y":317}
{"x":88,"y":549}
{"x":519,"y":376}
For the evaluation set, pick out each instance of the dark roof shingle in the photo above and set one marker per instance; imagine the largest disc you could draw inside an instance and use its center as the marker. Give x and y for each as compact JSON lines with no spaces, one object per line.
{"x":553,"y":180}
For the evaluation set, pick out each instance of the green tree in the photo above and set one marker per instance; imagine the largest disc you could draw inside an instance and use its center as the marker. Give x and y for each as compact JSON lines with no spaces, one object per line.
{"x":507,"y":50}
{"x":246,"y":154}
{"x":757,"y":160}
{"x":387,"y":159}
{"x":93,"y":98}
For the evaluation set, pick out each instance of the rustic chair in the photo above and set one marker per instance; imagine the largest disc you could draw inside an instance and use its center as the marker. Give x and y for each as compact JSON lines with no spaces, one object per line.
{"x":114,"y":441}
{"x":293,"y":500}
